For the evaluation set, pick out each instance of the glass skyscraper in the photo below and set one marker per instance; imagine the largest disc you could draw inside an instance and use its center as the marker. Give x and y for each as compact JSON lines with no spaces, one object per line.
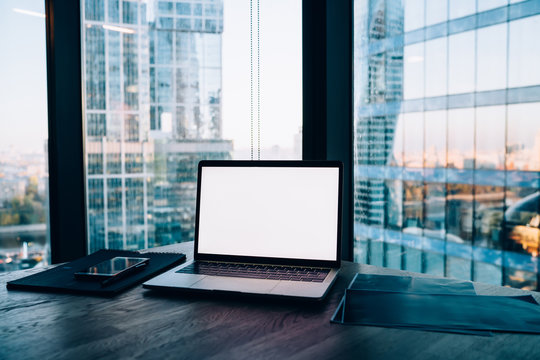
{"x":152,"y":76}
{"x":447,"y":138}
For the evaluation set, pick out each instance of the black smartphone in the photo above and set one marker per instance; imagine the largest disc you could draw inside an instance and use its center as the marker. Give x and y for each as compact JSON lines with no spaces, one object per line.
{"x":111,"y":269}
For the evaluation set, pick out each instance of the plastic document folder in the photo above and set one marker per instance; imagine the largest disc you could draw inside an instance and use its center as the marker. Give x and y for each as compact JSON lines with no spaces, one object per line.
{"x":61,"y":278}
{"x":433,"y":304}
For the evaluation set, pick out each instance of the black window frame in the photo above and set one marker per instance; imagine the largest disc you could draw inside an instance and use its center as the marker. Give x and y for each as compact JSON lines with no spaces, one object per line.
{"x":327,"y":113}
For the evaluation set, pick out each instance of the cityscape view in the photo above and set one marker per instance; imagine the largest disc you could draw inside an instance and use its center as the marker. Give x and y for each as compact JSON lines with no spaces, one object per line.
{"x":447,"y":138}
{"x":153,"y":108}
{"x":446,"y":133}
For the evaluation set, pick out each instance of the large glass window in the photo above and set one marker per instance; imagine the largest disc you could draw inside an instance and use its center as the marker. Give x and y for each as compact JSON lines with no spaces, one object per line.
{"x":461,"y":55}
{"x":524,"y":52}
{"x":167,"y":84}
{"x":435,"y":70}
{"x":413,"y":71}
{"x":461,"y":138}
{"x":523,"y":132}
{"x":24,"y":184}
{"x":491,"y":58}
{"x":453,"y":188}
{"x":490,"y":137}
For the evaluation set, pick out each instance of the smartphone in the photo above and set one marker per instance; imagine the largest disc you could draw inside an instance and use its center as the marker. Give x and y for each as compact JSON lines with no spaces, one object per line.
{"x":111,"y":269}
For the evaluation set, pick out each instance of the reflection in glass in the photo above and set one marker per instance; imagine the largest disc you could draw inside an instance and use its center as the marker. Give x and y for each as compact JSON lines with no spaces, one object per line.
{"x":521,"y":231}
{"x":436,"y":11}
{"x":413,"y":260}
{"x":458,"y":268}
{"x":435,"y":218}
{"x":523,"y":137}
{"x":484,"y":5}
{"x":413,"y":210}
{"x":434,"y":264}
{"x":394,"y":204}
{"x":436,"y":71}
{"x":461,"y":138}
{"x":369,"y":201}
{"x":459,"y":212}
{"x":524,"y":52}
{"x":487,"y":273}
{"x":461,"y":8}
{"x":393,"y":256}
{"x":490,"y":137}
{"x":488,"y":214}
{"x":414,"y":14}
{"x":361,"y":250}
{"x":491,"y":58}
{"x":525,"y":280}
{"x":446,"y":175}
{"x":396,"y":155}
{"x":376,"y":252}
{"x":461,"y":54}
{"x":413,"y":71}
{"x":435,"y":130}
{"x":413,"y":144}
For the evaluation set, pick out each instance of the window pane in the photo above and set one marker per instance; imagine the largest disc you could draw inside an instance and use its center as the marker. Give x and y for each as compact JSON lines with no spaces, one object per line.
{"x":413,"y":71}
{"x":461,"y":138}
{"x":167,"y":84}
{"x":459,"y":212}
{"x":436,"y":11}
{"x":491,"y":59}
{"x":24,"y":214}
{"x":523,"y":143}
{"x":461,"y":8}
{"x":435,"y":218}
{"x":413,"y":209}
{"x":436,"y":67}
{"x":414,"y":14}
{"x":461,"y":161}
{"x":488,"y":212}
{"x":435,"y":148}
{"x":413,"y":126}
{"x":524,"y":52}
{"x":484,"y":5}
{"x":490,"y":133}
{"x":394,"y":190}
{"x":521,"y":232}
{"x":461,"y":50}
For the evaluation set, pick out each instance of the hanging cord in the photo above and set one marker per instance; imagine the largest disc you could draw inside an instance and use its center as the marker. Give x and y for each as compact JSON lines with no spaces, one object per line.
{"x":258,"y":84}
{"x":258,"y":88}
{"x":251,"y":61}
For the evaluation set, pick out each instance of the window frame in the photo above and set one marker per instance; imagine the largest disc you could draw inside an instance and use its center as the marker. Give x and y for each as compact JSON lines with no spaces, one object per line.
{"x":327,"y":67}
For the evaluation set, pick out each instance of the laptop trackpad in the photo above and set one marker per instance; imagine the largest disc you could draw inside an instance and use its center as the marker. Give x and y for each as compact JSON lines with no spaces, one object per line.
{"x":222,"y":283}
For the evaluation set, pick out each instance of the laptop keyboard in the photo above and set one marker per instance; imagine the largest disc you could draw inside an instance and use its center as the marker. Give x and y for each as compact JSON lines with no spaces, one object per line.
{"x":272,"y":272}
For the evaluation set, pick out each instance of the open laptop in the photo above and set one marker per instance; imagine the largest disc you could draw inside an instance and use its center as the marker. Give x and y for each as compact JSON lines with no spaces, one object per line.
{"x":264,"y":227}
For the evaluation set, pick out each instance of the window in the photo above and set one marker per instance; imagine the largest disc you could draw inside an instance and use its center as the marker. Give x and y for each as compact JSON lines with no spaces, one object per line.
{"x":448,"y":173}
{"x":167,"y":84}
{"x":24,"y":211}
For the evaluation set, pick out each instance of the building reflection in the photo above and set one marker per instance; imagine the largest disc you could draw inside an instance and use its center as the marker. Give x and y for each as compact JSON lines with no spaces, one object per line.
{"x":447,"y":139}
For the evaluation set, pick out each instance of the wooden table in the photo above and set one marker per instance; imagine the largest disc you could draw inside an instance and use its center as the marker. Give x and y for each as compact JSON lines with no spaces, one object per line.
{"x":144,"y":324}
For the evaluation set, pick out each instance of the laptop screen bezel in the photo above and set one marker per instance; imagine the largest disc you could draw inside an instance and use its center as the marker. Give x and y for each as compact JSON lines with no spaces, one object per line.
{"x":270,"y":260}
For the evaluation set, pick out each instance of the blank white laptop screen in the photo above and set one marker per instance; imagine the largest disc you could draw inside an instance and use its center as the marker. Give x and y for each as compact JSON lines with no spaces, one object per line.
{"x":277,"y":212}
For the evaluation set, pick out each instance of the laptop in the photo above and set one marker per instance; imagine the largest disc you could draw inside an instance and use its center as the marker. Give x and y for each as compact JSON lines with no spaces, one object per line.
{"x":264,"y":227}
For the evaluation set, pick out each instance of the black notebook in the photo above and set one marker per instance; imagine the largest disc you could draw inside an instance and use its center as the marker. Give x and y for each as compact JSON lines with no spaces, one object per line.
{"x":61,"y":278}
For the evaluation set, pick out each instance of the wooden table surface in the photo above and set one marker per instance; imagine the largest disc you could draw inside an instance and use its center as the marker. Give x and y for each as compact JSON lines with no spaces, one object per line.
{"x":145,"y":324}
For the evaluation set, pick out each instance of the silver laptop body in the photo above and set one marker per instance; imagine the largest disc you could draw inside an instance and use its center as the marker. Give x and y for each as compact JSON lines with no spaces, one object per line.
{"x":282,"y":216}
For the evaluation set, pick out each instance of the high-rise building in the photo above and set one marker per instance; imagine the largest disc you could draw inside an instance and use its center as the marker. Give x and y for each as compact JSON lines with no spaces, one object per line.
{"x":152,"y":75}
{"x":446,"y":103}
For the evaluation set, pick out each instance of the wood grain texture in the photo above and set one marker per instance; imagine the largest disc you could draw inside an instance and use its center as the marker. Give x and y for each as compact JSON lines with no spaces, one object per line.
{"x":143,"y":324}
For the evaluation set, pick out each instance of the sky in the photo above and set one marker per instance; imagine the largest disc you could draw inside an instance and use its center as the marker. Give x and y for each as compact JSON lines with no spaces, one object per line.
{"x":23,"y":84}
{"x":281,"y":71}
{"x":23,"y":95}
